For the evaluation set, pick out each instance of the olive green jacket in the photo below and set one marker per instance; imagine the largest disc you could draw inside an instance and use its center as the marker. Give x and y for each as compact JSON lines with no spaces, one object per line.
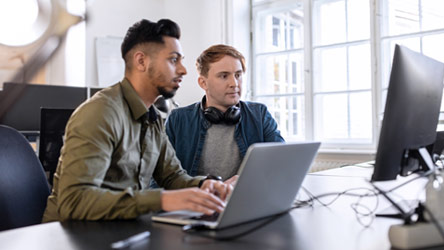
{"x":105,"y":167}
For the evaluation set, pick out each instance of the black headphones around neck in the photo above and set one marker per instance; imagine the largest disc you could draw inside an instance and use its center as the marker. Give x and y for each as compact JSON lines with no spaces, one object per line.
{"x":215,"y":116}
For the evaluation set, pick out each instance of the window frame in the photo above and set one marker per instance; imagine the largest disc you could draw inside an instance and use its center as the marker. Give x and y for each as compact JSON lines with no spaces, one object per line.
{"x":270,"y":7}
{"x":377,"y":86}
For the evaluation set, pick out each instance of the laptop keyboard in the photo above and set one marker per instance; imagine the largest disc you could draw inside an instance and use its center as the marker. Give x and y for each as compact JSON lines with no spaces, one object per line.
{"x":212,"y":217}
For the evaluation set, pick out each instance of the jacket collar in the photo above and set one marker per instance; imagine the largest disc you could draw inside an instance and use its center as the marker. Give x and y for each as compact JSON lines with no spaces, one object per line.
{"x":135,"y":103}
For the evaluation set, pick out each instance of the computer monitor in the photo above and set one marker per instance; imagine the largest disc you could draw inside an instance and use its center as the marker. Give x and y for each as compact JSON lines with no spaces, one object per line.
{"x":93,"y":91}
{"x":52,"y":130}
{"x":411,"y":115}
{"x":23,"y":111}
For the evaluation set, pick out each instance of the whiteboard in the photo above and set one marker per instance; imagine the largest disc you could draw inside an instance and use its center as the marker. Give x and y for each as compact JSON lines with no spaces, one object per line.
{"x":110,"y":65}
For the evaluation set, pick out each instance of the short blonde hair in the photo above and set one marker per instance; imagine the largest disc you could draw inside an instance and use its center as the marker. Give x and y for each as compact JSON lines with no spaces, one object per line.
{"x":214,"y":54}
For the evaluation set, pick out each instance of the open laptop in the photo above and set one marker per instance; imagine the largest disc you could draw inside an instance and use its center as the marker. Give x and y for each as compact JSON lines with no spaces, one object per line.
{"x":270,"y":176}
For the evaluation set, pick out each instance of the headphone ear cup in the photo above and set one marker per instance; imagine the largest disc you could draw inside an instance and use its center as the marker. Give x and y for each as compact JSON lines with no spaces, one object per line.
{"x":152,"y":116}
{"x":232,"y":115}
{"x":213,"y":115}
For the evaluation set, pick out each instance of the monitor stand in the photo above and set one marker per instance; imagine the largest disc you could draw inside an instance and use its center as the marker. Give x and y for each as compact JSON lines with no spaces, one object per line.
{"x":422,"y":234}
{"x":426,"y":233}
{"x":397,"y":210}
{"x":393,"y":212}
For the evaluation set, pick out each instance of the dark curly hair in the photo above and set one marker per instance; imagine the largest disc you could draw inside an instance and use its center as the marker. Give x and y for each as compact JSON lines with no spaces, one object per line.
{"x":146,"y":31}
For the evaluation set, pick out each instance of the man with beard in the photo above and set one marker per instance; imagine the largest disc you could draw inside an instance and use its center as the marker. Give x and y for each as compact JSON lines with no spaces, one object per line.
{"x":114,"y":142}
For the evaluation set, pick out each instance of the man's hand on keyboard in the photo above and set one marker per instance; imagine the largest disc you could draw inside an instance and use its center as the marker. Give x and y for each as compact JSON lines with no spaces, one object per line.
{"x":232,"y":181}
{"x":218,"y":188}
{"x":193,"y":199}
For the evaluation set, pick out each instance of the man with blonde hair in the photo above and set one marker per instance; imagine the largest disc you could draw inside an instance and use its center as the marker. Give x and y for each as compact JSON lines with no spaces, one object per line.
{"x":212,"y":136}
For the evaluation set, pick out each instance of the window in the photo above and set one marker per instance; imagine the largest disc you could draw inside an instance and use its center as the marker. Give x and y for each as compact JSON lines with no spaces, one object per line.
{"x":328,"y":82}
{"x":416,"y":24}
{"x":342,"y":71}
{"x":279,"y":82}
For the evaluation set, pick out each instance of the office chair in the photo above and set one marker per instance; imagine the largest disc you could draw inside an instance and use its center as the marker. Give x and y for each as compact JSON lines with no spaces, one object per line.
{"x":23,"y":185}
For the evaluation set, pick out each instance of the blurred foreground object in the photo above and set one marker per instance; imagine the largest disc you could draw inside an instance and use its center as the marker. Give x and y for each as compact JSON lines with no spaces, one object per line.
{"x":165,"y":105}
{"x":21,"y":63}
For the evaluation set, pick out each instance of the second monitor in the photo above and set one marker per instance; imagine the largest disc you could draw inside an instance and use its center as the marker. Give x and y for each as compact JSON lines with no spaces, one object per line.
{"x":23,"y":111}
{"x":411,"y":115}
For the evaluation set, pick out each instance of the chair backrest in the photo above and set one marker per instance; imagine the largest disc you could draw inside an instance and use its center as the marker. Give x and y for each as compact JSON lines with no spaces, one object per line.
{"x":23,"y":186}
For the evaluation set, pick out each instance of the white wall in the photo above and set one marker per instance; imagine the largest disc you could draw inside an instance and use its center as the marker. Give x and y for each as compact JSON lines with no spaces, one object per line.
{"x":203,"y":23}
{"x":201,"y":26}
{"x":113,"y":18}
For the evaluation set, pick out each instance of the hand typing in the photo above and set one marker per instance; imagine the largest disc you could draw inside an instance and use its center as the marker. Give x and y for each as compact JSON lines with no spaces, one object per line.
{"x":194,"y":199}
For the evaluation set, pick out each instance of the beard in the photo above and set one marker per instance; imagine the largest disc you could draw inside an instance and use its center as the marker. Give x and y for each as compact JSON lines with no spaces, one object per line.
{"x":158,"y":77}
{"x":165,"y":93}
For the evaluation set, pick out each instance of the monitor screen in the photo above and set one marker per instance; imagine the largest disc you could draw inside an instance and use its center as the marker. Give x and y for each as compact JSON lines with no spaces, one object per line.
{"x":23,"y":111}
{"x":52,"y":130}
{"x":411,"y":114}
{"x":93,"y":91}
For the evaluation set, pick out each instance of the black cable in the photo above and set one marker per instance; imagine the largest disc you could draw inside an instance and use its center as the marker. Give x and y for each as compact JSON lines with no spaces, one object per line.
{"x":406,"y":216}
{"x":198,"y":228}
{"x":405,"y":183}
{"x":313,"y":197}
{"x":302,"y":203}
{"x":370,"y":212}
{"x":360,"y":215}
{"x":338,"y":194}
{"x":355,"y":206}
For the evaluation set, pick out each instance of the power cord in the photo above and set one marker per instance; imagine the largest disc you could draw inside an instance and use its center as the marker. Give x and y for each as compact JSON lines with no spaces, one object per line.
{"x":405,"y":183}
{"x":357,"y":207}
{"x":368,"y":213}
{"x":411,"y":216}
{"x":361,"y":211}
{"x":337,"y":194}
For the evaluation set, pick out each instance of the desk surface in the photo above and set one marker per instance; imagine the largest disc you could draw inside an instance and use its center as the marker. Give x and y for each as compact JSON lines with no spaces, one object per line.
{"x":318,"y":227}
